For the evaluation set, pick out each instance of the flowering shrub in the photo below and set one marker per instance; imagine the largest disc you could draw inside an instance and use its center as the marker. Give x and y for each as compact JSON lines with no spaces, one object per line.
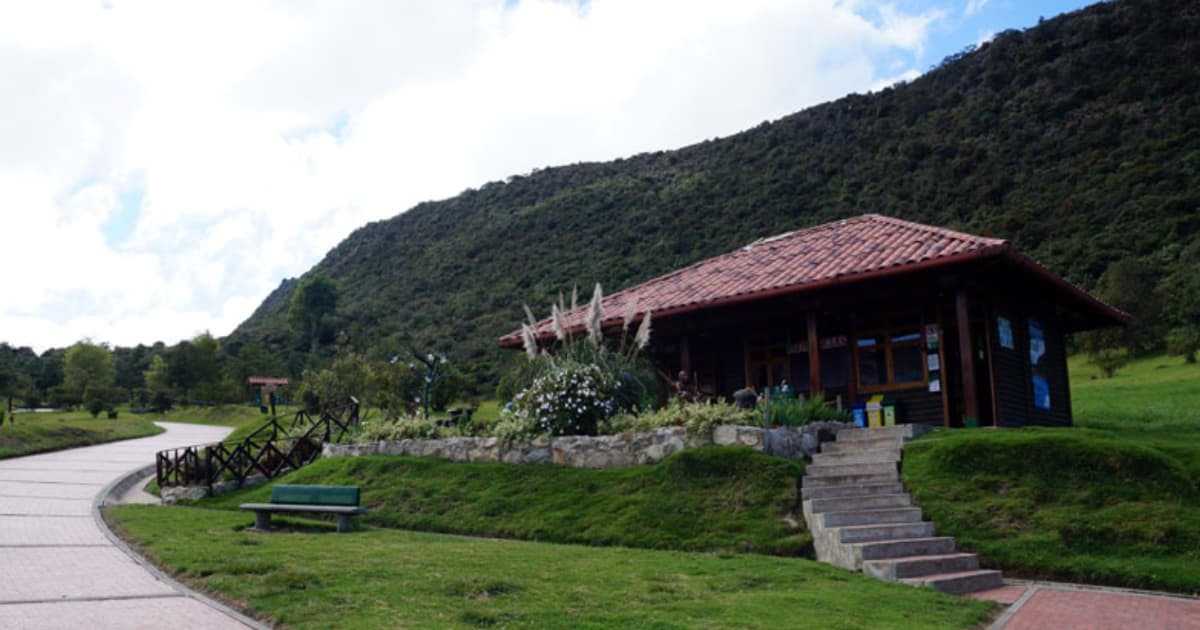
{"x":568,"y":399}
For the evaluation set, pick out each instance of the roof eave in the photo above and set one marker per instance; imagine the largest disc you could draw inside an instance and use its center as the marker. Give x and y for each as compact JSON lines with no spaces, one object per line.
{"x":513,"y":339}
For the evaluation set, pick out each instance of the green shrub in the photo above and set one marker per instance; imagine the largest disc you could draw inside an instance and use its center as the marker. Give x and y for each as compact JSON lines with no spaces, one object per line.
{"x":403,"y":429}
{"x":95,"y":405}
{"x":698,"y":418}
{"x":791,"y":412}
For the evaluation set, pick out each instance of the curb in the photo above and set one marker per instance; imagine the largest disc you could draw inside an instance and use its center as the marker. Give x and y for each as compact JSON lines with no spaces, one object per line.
{"x":118,"y":487}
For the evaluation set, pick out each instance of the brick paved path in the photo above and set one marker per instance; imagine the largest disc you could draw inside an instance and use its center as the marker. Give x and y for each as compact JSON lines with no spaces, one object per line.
{"x":1053,"y":606}
{"x":59,"y":570}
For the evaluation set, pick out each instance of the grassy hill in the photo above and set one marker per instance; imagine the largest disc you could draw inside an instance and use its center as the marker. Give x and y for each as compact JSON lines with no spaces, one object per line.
{"x":1076,"y":139}
{"x":700,"y":500}
{"x":1115,"y":500}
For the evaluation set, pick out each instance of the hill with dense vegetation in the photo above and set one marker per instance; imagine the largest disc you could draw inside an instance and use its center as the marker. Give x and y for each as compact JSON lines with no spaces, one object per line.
{"x":1076,"y":139}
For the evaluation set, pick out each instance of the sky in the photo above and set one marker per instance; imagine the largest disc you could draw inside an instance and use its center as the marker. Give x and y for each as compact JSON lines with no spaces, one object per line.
{"x":165,"y":165}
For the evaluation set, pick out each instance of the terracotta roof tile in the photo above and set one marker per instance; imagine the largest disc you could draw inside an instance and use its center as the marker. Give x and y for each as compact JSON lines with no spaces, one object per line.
{"x":788,"y":262}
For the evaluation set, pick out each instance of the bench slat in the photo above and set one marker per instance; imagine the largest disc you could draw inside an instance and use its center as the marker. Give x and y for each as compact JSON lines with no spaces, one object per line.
{"x":315,"y":495}
{"x":316,"y":509}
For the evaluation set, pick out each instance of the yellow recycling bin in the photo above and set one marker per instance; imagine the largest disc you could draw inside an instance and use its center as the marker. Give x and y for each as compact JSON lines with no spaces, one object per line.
{"x":875,"y":411}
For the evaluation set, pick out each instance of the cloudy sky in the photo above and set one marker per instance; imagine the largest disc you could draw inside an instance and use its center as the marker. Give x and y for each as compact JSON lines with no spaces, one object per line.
{"x":164,"y":165}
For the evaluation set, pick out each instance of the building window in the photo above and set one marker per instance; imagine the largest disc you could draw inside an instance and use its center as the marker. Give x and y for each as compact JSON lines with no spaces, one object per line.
{"x":890,"y":357}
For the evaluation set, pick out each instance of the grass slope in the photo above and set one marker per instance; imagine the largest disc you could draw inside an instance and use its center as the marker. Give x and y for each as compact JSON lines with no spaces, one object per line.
{"x":383,"y":578}
{"x":1154,"y":401}
{"x":702,"y":499}
{"x":41,"y":432}
{"x":1113,"y":501}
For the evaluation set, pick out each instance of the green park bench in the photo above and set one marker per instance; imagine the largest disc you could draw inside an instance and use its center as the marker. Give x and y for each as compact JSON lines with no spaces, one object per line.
{"x":340,"y":500}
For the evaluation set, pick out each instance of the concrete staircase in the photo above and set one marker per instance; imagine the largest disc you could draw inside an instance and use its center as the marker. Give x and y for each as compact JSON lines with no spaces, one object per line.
{"x":862,"y":519}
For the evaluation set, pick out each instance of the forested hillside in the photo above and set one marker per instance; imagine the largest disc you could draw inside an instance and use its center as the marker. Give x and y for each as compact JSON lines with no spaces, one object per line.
{"x":1078,"y":139}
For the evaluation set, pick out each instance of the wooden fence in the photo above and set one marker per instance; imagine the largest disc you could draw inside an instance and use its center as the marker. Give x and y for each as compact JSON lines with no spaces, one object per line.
{"x":271,"y":450}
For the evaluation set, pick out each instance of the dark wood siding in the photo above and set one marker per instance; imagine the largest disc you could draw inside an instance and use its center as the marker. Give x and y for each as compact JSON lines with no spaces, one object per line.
{"x":917,"y":406}
{"x":1012,"y":373}
{"x":1059,"y":414}
{"x":731,"y":371}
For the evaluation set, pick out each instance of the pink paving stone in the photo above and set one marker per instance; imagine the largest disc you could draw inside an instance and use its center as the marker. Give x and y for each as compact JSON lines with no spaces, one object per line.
{"x":45,"y":507}
{"x":48,"y":530}
{"x":1003,"y":594}
{"x":1054,"y":609}
{"x":49,"y":573}
{"x":158,"y":613}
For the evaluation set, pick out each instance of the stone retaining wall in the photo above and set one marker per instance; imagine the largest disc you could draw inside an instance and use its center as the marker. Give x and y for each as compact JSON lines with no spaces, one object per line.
{"x":604,"y":451}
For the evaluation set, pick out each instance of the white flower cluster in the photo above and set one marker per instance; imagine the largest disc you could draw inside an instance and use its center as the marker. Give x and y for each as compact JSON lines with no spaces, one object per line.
{"x":571,"y":399}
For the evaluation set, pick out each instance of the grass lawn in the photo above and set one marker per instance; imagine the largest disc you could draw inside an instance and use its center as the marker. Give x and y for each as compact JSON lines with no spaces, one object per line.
{"x":41,"y":432}
{"x":1154,"y":402}
{"x":1114,"y":500}
{"x":382,"y":578}
{"x":715,"y":498}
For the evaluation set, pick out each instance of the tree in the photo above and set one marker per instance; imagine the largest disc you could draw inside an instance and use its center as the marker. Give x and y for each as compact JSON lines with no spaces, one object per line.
{"x":87,"y":366}
{"x":350,"y":375}
{"x":1129,"y":284}
{"x":194,"y":364}
{"x":312,"y":306}
{"x":1181,"y":307}
{"x":157,"y":377}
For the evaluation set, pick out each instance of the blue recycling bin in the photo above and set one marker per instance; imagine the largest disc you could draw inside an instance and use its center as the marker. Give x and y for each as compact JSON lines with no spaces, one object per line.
{"x":858,"y":413}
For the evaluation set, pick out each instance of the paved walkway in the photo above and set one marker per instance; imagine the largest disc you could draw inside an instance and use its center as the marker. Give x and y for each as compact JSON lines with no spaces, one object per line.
{"x":1057,"y":606}
{"x":58,"y":569}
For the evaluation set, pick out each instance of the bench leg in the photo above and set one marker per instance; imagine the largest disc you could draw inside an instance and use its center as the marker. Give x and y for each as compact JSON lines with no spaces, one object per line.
{"x":262,"y":521}
{"x":343,"y":523}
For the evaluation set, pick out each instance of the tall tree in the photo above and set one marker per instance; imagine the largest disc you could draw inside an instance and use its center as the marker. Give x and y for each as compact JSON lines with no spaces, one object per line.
{"x":312,"y":306}
{"x":87,"y":366}
{"x":194,"y":363}
{"x":157,"y":377}
{"x":1181,"y":307}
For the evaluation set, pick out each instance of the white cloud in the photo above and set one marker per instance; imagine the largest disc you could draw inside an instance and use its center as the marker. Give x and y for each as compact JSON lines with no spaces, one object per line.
{"x":973,"y":7}
{"x":260,"y":135}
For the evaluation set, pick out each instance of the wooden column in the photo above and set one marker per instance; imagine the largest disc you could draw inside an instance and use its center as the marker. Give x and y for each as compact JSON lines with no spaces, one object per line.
{"x":814,"y":355}
{"x":966,"y":355}
{"x":685,"y":356}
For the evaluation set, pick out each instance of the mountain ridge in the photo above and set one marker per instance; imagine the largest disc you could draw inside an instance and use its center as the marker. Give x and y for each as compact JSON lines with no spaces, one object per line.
{"x":1073,"y":139}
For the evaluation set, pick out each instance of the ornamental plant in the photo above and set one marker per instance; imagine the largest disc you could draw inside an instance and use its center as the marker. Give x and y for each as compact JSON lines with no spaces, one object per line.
{"x":568,"y":399}
{"x":582,"y":377}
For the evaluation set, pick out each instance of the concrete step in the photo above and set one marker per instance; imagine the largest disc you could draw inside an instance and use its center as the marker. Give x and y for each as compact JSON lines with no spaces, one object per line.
{"x":871,"y":533}
{"x":887,"y":455}
{"x":959,"y":583}
{"x":886,"y":516}
{"x":881,"y":549}
{"x":863,"y":502}
{"x":903,"y":431}
{"x":896,"y":569}
{"x":861,"y":490}
{"x":836,"y":470}
{"x":855,"y":446}
{"x":849,"y":480}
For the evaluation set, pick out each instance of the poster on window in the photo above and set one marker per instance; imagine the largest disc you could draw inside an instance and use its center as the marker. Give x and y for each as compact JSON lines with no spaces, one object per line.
{"x":1004,"y":330}
{"x":1037,"y":352}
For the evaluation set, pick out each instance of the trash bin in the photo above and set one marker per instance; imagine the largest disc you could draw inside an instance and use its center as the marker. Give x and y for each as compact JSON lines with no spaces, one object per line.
{"x":889,"y":412}
{"x":875,"y":411}
{"x":858,"y":413}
